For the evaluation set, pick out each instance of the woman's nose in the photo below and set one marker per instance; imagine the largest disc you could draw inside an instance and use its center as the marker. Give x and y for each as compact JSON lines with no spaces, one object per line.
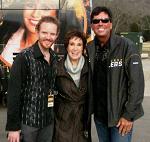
{"x":36,"y":13}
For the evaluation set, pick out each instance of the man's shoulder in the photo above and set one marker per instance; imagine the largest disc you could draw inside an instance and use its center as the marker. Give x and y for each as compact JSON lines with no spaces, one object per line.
{"x":126,"y":44}
{"x":55,"y":55}
{"x":120,"y":38}
{"x":60,"y":65}
{"x":28,"y":50}
{"x":25,"y":54}
{"x":90,"y":44}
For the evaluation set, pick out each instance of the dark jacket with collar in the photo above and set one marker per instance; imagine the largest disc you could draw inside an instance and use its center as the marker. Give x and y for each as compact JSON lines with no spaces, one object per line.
{"x":73,"y":105}
{"x":125,"y":80}
{"x":31,"y":79}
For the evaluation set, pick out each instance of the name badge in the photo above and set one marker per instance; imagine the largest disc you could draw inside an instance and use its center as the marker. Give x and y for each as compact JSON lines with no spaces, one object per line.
{"x":50,"y":100}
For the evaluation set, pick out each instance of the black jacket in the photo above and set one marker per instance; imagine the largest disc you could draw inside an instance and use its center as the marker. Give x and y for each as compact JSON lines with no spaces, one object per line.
{"x":31,"y":79}
{"x":125,"y":80}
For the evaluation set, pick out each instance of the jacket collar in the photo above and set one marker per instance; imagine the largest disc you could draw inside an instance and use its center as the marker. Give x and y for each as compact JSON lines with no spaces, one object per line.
{"x":38,"y":54}
{"x":91,"y":48}
{"x":112,"y":41}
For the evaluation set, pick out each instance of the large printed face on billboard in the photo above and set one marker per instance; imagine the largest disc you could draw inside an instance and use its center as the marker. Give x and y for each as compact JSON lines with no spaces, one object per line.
{"x":18,"y":19}
{"x":34,"y":11}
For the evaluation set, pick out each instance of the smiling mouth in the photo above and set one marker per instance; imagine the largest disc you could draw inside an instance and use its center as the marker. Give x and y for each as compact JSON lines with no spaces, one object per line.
{"x":75,"y":54}
{"x":100,"y":29}
{"x":33,"y":22}
{"x":47,"y":42}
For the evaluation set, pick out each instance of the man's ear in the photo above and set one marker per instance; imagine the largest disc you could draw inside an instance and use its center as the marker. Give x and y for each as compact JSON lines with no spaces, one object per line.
{"x":111,"y":26}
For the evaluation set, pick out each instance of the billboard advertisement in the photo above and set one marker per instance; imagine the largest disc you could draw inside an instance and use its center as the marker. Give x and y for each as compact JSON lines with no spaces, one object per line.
{"x":18,"y":19}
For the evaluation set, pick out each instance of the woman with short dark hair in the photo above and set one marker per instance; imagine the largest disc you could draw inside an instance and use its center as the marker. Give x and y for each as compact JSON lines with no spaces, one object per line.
{"x":72,"y":104}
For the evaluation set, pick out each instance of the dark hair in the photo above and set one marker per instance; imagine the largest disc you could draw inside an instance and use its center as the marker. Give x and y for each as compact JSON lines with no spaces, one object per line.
{"x":100,"y":9}
{"x":48,"y":19}
{"x":72,"y":34}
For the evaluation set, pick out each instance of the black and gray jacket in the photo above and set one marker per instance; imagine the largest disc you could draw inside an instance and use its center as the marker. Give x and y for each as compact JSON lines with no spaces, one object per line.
{"x":125,"y":80}
{"x":31,"y":79}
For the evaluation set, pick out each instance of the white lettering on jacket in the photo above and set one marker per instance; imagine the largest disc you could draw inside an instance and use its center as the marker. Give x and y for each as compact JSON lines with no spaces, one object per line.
{"x":135,"y":63}
{"x":115,"y":63}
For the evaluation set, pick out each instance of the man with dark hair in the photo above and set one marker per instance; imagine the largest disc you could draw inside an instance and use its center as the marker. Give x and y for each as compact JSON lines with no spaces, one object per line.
{"x":31,"y":88}
{"x":118,"y":81}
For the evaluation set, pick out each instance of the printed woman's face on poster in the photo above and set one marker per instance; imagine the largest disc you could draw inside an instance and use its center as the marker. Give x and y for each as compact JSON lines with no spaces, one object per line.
{"x":34,"y":10}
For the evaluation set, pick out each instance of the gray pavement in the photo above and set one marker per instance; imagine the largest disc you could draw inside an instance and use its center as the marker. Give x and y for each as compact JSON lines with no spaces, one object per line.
{"x":146,"y":68}
{"x":141,"y":132}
